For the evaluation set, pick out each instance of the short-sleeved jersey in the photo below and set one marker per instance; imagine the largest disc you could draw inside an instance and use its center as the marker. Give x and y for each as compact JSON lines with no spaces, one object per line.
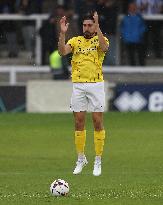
{"x":87,"y":59}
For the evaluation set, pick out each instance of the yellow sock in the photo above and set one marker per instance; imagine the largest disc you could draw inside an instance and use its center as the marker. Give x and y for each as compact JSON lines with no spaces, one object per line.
{"x":99,"y":137}
{"x":80,"y":138}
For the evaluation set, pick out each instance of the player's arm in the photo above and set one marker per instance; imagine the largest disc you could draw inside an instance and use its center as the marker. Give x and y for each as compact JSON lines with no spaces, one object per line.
{"x":102,"y":41}
{"x":63,"y":48}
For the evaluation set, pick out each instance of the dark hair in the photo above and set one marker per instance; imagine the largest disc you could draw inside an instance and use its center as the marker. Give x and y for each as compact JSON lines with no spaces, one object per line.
{"x":88,"y":16}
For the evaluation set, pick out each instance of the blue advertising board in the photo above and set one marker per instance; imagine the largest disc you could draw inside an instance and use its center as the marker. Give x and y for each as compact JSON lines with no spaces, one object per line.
{"x":138,"y":97}
{"x":12,"y":99}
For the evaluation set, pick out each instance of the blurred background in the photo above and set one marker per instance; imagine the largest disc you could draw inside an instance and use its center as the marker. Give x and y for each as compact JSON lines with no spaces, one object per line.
{"x":34,"y":78}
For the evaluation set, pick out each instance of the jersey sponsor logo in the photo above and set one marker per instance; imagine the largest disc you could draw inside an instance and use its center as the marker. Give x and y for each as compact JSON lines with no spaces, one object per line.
{"x":85,"y":50}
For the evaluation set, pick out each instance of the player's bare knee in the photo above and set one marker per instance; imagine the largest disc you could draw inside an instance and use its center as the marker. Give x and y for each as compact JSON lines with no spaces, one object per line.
{"x":79,"y":124}
{"x":98,"y":125}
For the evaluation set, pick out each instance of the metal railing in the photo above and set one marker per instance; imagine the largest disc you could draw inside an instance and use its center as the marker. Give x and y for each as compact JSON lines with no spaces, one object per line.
{"x":14,"y":70}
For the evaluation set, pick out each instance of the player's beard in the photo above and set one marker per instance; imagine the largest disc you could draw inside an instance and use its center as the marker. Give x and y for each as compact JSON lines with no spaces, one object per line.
{"x":88,"y":35}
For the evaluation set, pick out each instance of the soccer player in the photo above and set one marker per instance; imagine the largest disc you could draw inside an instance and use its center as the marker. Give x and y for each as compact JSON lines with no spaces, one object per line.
{"x":88,"y":52}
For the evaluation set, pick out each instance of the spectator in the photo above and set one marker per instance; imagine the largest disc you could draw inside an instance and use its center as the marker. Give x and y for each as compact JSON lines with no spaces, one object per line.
{"x":49,"y":38}
{"x":9,"y":27}
{"x":132,"y":31}
{"x":73,"y":24}
{"x":28,"y":7}
{"x":59,"y":66}
{"x":152,"y":7}
{"x":73,"y":27}
{"x":66,"y":3}
{"x":69,"y":13}
{"x":108,"y":11}
{"x":124,"y":6}
{"x":149,"y":7}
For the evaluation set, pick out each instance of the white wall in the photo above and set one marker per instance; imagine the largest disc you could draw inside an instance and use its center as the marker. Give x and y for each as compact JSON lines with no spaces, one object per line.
{"x":51,"y":96}
{"x":48,"y":96}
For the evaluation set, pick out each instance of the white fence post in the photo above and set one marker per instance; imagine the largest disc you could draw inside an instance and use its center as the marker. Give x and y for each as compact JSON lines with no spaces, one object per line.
{"x":38,"y":48}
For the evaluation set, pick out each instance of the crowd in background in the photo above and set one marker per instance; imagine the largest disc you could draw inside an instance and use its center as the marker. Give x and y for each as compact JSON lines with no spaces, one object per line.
{"x":137,"y":35}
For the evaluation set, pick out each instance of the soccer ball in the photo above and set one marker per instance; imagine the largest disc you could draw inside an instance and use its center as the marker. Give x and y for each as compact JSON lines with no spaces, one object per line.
{"x":59,"y":188}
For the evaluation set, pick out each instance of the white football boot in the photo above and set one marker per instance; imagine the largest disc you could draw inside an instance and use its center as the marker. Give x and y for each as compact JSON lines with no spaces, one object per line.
{"x":82,"y":161}
{"x":97,"y":166}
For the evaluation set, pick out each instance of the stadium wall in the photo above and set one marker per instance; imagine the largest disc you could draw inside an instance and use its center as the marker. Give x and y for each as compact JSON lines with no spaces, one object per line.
{"x":31,"y":88}
{"x":51,"y":96}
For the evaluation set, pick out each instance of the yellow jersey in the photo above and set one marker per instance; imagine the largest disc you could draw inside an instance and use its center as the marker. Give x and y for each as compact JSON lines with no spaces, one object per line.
{"x":87,"y":59}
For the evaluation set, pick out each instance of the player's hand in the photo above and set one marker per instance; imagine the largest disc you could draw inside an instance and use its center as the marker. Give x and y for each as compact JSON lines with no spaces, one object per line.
{"x":63,"y":24}
{"x":95,"y":17}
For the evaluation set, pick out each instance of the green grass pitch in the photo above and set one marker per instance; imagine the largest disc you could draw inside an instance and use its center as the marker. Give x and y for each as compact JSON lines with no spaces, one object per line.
{"x":36,"y":149}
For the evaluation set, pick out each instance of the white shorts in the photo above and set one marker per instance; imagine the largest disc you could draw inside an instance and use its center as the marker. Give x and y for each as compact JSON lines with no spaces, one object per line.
{"x":88,"y":97}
